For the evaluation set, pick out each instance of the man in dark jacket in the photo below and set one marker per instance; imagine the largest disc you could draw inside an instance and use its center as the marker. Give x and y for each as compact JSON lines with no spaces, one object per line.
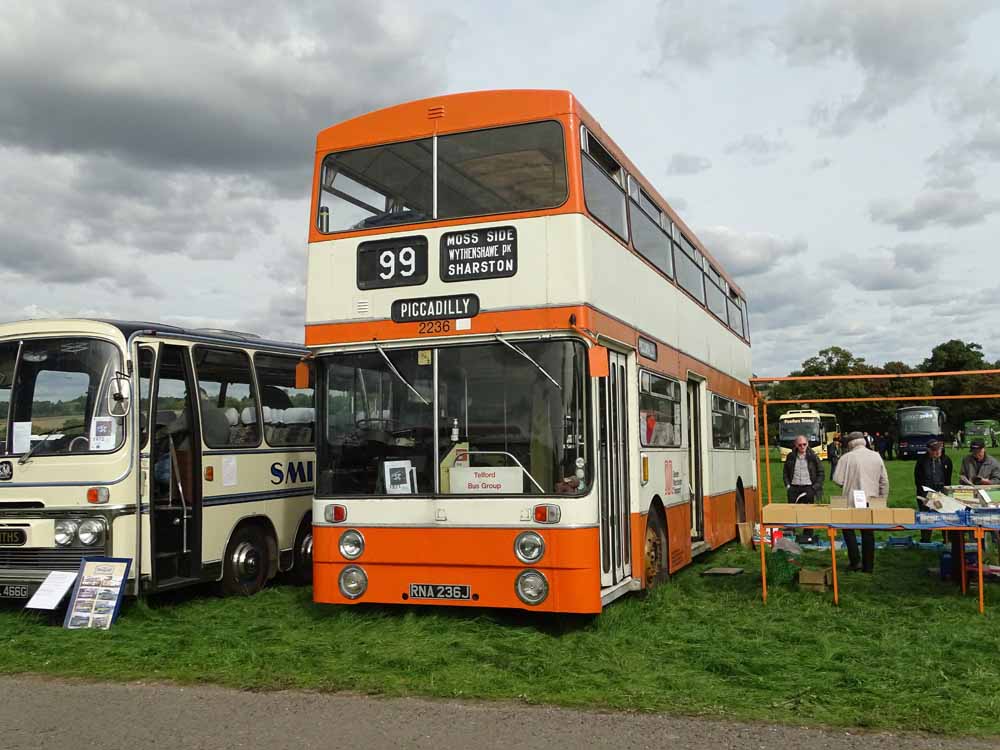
{"x":803,"y":477}
{"x":933,"y":470}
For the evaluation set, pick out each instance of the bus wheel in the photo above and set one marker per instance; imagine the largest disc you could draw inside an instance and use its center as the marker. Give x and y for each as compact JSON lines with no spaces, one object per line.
{"x":302,"y":561}
{"x":244,"y":569}
{"x":654,"y":558}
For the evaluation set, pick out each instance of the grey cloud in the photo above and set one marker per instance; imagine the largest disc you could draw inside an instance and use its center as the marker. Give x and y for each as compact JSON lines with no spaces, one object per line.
{"x":685,"y":164}
{"x":818,"y":164}
{"x":953,"y":208}
{"x":901,"y":48}
{"x":760,"y":149}
{"x":907,"y":266}
{"x":694,"y":33}
{"x":748,"y":253}
{"x":235,"y":88}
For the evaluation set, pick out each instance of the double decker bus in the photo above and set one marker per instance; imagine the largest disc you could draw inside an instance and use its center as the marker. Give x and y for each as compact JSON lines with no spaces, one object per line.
{"x":532,"y":377}
{"x":189,"y":452}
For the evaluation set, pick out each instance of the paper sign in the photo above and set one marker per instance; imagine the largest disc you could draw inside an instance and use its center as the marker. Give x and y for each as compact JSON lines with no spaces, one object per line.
{"x":668,"y":472}
{"x":487,"y":480}
{"x":98,"y":594}
{"x":53,"y":590}
{"x":398,"y":477}
{"x":230,"y":474}
{"x":860,"y":499}
{"x":22,"y":437}
{"x":102,"y":434}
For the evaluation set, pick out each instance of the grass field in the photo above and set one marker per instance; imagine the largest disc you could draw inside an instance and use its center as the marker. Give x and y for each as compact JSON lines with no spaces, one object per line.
{"x":904,"y":650}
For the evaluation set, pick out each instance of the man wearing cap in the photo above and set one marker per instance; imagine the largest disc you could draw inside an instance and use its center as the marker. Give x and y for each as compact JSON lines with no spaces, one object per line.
{"x":977,"y":467}
{"x":933,"y":471}
{"x":861,"y":469}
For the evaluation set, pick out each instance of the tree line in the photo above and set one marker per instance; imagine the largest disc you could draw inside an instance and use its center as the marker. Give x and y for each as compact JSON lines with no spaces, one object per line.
{"x":879,"y":416}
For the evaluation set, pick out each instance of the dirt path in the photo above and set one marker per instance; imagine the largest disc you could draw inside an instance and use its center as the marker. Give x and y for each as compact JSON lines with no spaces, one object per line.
{"x":40,"y":714}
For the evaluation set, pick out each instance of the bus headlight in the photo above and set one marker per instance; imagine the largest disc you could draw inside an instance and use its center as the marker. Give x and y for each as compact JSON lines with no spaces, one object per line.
{"x":531,"y":587}
{"x":65,"y":532}
{"x":352,"y":544}
{"x":91,"y":532}
{"x":529,"y":546}
{"x":353,"y":582}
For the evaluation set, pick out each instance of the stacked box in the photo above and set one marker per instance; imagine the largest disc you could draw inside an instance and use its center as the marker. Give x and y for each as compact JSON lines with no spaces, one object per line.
{"x":818,"y":514}
{"x":877,"y":502}
{"x":780,"y":513}
{"x":903,"y":516}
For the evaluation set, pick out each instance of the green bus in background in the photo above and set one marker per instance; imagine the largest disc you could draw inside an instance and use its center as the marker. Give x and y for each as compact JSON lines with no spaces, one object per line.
{"x":986,"y":430}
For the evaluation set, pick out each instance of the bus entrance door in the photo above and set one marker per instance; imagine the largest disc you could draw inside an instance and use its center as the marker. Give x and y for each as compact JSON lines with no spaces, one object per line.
{"x":615,"y":502}
{"x":175,"y":487}
{"x":695,"y":466}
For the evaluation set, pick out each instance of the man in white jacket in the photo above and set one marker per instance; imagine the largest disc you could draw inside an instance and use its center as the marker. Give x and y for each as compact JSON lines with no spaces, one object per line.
{"x":861,"y":469}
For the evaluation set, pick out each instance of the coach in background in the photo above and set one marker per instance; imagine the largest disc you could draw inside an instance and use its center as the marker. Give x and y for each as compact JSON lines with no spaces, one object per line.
{"x":803,"y":478}
{"x":977,"y":467}
{"x":933,"y":470}
{"x":861,"y":469}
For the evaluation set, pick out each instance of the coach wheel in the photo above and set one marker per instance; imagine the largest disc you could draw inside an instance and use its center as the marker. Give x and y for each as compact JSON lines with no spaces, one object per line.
{"x":246,"y":563}
{"x":302,"y":562}
{"x":654,"y":550}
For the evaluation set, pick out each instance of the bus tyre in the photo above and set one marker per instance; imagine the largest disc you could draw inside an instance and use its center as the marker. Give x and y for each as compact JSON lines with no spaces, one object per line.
{"x":302,"y":560}
{"x":654,"y":556}
{"x":244,"y":569}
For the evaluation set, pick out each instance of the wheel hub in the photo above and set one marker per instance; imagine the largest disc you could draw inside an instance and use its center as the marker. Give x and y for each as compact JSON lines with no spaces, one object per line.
{"x":246,"y":560}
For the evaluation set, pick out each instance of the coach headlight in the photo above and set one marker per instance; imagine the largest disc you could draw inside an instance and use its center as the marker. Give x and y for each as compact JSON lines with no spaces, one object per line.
{"x":352,"y":544}
{"x":531,"y":587}
{"x":353,"y":582}
{"x":91,"y":532}
{"x":529,"y":546}
{"x":65,"y":532}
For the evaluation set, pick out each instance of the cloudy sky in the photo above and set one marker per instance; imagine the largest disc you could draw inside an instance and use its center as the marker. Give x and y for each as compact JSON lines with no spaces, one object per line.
{"x":841,"y":157}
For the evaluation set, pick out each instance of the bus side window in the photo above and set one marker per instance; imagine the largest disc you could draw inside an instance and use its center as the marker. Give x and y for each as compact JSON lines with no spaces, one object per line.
{"x":229,"y":413}
{"x":289,"y":414}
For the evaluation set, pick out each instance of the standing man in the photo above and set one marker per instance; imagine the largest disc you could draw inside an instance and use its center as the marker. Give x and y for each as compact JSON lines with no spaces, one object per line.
{"x":833,"y":453}
{"x":861,"y":469}
{"x":977,"y":467}
{"x":803,"y":477}
{"x":933,"y":470}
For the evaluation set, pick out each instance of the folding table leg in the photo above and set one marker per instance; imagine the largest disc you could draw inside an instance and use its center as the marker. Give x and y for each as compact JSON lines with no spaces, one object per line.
{"x":832,"y":533}
{"x":763,"y":564}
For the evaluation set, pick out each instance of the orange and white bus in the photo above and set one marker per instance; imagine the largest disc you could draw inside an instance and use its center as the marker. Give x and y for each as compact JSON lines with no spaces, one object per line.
{"x":532,"y":378}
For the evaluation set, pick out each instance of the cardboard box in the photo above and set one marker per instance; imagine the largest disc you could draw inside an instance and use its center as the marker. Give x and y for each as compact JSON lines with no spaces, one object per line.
{"x":903,"y":516}
{"x":877,"y":502}
{"x":861,"y":515}
{"x":821,"y":576}
{"x":746,"y":534}
{"x":882,"y":515}
{"x":818,"y":514}
{"x":839,"y":501}
{"x":780,"y":513}
{"x":843,"y":516}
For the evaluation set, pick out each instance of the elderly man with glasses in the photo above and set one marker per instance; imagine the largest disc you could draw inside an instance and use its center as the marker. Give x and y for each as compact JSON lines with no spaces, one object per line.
{"x":932,"y":471}
{"x":977,"y":467}
{"x":803,"y":478}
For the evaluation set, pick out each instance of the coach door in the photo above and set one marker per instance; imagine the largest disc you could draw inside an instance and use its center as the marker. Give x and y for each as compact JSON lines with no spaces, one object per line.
{"x":175,"y":472}
{"x":614,"y":482}
{"x":696,"y":472}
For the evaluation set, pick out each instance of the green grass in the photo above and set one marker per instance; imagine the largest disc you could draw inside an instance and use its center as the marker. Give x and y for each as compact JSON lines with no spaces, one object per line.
{"x":903,"y":652}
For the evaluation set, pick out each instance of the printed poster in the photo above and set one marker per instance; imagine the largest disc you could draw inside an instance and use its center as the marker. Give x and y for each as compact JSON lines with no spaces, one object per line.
{"x":102,"y":434}
{"x":97,"y":597}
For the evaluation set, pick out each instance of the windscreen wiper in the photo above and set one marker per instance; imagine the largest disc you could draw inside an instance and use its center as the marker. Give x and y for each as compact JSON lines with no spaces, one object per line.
{"x":398,"y":375}
{"x":43,"y":439}
{"x":527,"y":356}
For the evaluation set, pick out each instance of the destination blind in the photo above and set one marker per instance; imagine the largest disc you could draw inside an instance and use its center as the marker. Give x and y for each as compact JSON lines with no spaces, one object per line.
{"x":479,"y":254}
{"x":435,"y":308}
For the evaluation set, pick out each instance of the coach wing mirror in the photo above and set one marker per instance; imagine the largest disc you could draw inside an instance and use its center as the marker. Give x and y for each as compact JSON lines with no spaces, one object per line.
{"x":303,"y":375}
{"x":119,"y":396}
{"x":597,"y":358}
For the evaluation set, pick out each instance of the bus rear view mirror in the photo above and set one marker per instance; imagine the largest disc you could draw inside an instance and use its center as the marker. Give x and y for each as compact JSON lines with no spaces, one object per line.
{"x":597,"y":358}
{"x":119,"y":396}
{"x":303,"y":375}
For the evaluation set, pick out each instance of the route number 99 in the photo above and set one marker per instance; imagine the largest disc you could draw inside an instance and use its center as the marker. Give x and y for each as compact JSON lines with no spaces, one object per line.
{"x":389,"y":263}
{"x":407,"y":261}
